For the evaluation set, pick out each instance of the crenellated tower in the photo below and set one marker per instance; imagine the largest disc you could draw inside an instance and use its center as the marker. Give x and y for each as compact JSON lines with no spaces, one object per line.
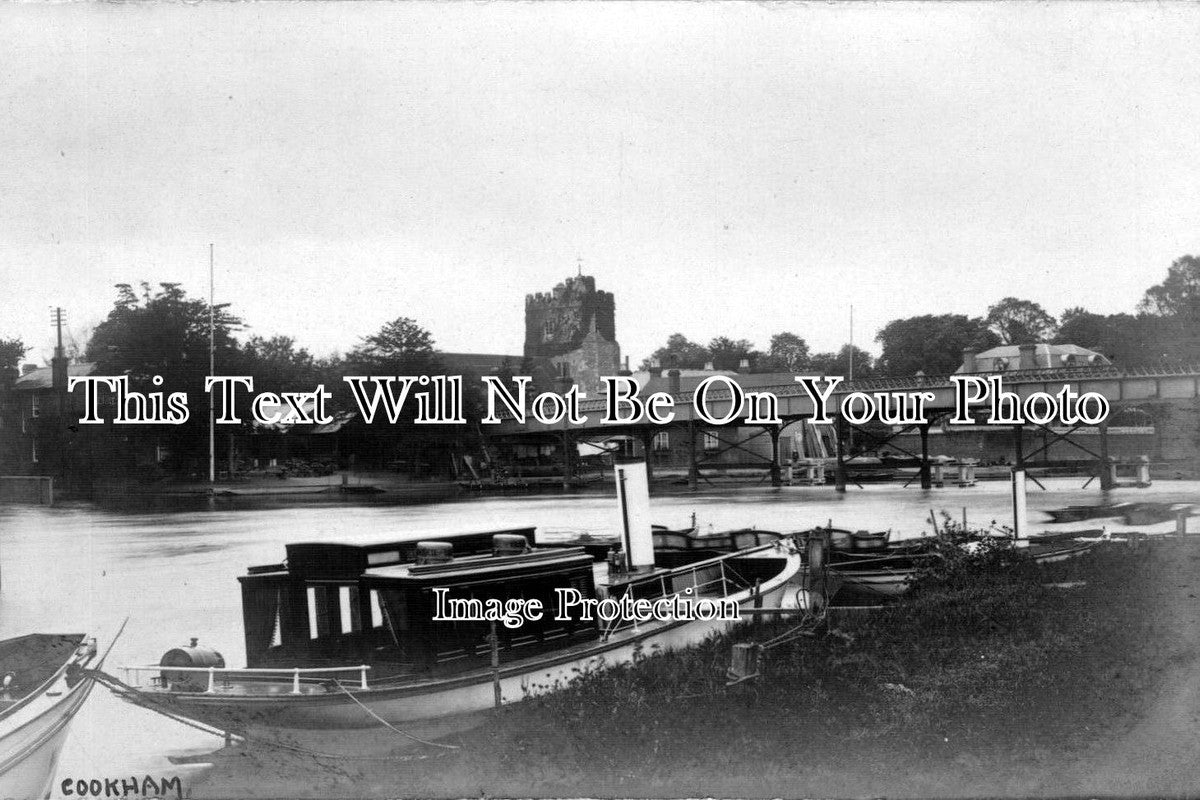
{"x":574,"y":325}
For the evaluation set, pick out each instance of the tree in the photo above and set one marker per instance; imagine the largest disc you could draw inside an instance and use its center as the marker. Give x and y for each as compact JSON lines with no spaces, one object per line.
{"x":839,"y":363}
{"x":787,"y":353}
{"x":400,"y":347}
{"x":1172,"y":310}
{"x":164,"y":333}
{"x":931,"y":343}
{"x":11,"y":352}
{"x":1018,"y":321}
{"x":1125,"y":339}
{"x":678,"y":353}
{"x":1179,"y":294}
{"x":404,"y":347}
{"x":727,"y":354}
{"x":277,"y":365}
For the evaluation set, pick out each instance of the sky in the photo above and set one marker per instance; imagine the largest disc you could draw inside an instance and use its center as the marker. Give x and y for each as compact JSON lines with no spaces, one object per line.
{"x":723,"y":169}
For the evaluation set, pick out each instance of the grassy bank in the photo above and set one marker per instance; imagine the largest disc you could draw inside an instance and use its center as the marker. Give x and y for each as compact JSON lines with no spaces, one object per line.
{"x":984,"y":675}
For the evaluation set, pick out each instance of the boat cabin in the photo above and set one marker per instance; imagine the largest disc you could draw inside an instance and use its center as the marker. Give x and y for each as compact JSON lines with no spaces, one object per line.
{"x":335,"y":603}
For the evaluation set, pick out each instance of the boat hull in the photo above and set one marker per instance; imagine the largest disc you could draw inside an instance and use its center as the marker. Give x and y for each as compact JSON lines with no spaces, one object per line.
{"x":33,"y":759}
{"x":875,"y":583}
{"x":31,"y":743}
{"x":884,"y":581}
{"x":334,"y":708}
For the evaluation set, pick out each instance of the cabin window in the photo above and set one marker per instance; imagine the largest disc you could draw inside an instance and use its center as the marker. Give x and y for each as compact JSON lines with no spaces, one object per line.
{"x":35,"y":406}
{"x":393,"y":610}
{"x":711,"y":441}
{"x":314,"y":628}
{"x":320,"y":598}
{"x":376,"y":611}
{"x":33,"y":450}
{"x":662,"y":441}
{"x":351,"y":615}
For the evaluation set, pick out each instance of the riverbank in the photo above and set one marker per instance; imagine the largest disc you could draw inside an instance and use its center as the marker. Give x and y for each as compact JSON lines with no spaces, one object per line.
{"x":996,"y":686}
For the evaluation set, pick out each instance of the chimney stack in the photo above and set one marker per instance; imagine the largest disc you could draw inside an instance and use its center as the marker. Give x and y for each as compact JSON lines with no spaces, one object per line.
{"x":1028,"y":356}
{"x":673,"y":381}
{"x":968,"y":364}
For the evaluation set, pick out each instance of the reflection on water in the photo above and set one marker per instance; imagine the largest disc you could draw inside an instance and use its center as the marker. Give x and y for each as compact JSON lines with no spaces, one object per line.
{"x":171,"y":566}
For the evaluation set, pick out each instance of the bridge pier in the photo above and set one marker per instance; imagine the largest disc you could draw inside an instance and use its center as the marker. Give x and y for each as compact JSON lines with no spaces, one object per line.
{"x":1019,"y":446}
{"x":693,"y":467}
{"x":839,"y":428}
{"x":647,"y":435}
{"x":776,"y":479}
{"x":568,"y":445}
{"x":1106,"y":471}
{"x":926,"y":481}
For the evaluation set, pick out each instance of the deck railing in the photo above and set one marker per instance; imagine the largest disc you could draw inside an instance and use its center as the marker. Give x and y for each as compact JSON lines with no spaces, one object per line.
{"x":294,"y":673}
{"x":726,"y":584}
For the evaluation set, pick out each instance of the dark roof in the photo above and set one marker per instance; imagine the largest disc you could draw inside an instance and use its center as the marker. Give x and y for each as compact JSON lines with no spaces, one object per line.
{"x":689,"y":382}
{"x":42,"y":377}
{"x":479,"y":363}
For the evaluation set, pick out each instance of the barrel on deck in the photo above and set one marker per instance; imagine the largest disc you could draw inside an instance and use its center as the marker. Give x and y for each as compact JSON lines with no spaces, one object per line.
{"x":191,"y":656}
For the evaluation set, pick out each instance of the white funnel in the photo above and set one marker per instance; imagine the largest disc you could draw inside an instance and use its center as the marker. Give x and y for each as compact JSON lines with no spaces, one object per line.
{"x":633,"y":515}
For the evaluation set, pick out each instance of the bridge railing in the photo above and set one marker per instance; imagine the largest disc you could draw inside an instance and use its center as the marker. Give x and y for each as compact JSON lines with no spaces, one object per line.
{"x":914,"y":382}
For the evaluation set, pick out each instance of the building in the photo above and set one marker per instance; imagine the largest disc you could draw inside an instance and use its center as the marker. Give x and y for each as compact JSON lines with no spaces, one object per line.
{"x":1025,"y":357}
{"x":40,"y":432}
{"x":574,"y":327}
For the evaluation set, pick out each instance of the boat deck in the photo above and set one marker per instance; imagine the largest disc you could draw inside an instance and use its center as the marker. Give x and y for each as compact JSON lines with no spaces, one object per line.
{"x":27,"y":662}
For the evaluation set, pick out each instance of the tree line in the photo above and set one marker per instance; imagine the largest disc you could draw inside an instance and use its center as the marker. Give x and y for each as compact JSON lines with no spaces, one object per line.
{"x":1164,"y":332}
{"x":161,"y":331}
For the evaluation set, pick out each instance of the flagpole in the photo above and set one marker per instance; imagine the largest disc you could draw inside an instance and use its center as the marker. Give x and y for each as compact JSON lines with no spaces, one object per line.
{"x":212,"y":437}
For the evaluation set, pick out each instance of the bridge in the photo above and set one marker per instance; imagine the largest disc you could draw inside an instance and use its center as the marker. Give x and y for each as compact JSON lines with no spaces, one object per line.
{"x":795,"y":405}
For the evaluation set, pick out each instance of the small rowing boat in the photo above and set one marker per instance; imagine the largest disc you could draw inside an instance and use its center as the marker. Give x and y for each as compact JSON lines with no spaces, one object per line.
{"x":45,"y":682}
{"x":873,"y":566}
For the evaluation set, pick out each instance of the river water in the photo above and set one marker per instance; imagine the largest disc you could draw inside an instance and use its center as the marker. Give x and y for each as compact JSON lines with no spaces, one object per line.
{"x":171,"y":565}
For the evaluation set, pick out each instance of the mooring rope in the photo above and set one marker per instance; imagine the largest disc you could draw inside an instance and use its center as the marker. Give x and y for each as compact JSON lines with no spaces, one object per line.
{"x":150,"y":703}
{"x":389,"y":725}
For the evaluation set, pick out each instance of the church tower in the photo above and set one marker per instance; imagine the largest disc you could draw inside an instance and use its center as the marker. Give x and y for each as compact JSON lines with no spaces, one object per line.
{"x":574,"y":325}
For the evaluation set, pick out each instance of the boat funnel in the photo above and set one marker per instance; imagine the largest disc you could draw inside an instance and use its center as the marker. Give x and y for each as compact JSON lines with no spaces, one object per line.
{"x":633,"y":518}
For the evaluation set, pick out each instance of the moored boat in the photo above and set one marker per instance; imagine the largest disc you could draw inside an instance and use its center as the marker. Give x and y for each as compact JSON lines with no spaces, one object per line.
{"x":350,"y":634}
{"x":669,"y":543}
{"x":870,"y":564}
{"x":873,"y":566}
{"x":44,"y":683}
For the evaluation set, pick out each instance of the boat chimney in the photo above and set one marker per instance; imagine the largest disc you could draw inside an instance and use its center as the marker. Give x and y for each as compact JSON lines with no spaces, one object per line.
{"x":633,"y":518}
